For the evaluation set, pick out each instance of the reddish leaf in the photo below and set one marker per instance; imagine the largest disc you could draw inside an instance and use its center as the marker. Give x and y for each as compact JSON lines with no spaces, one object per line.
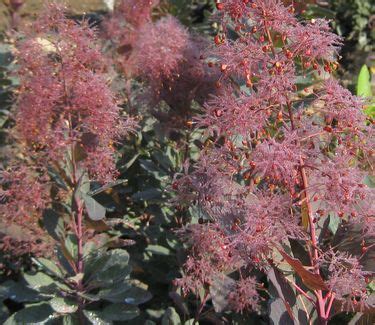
{"x":311,"y":280}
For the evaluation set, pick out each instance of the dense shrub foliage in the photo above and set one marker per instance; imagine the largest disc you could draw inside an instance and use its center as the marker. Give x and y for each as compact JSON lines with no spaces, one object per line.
{"x":180,"y":162}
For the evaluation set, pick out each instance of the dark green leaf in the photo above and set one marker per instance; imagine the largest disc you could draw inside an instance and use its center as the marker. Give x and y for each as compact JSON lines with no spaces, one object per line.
{"x":70,"y":320}
{"x":119,"y":312}
{"x":18,"y":292}
{"x":334,"y":222}
{"x":94,"y":318}
{"x":71,"y":247}
{"x":171,"y":317}
{"x":94,"y":209}
{"x":63,"y":305}
{"x":158,"y":250}
{"x":94,"y":263}
{"x":284,"y":292}
{"x":349,"y":238}
{"x":38,"y":280}
{"x":153,"y":169}
{"x":362,"y":319}
{"x":31,"y":315}
{"x":137,"y":296}
{"x":129,"y":163}
{"x":53,"y":223}
{"x":278,"y":314}
{"x":49,"y":266}
{"x":163,"y":160}
{"x":57,"y":178}
{"x":115,"y":269}
{"x":148,"y":195}
{"x":116,"y":293}
{"x":220,"y":288}
{"x":107,"y":186}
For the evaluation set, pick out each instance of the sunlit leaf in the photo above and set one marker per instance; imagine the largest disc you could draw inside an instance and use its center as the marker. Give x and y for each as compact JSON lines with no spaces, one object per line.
{"x":311,"y":280}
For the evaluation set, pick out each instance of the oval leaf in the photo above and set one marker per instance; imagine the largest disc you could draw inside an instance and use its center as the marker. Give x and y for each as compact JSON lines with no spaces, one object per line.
{"x":94,"y":209}
{"x":63,"y":305}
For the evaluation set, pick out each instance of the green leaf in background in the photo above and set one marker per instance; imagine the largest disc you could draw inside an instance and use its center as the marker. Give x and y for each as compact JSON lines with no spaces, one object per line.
{"x":364,"y":82}
{"x":150,"y":194}
{"x":283,"y":290}
{"x":364,"y":90}
{"x":334,"y":222}
{"x":116,"y":268}
{"x":171,"y":317}
{"x":70,"y":320}
{"x":137,"y":296}
{"x":116,"y":293}
{"x":362,"y":319}
{"x":71,"y":247}
{"x":370,"y":181}
{"x":220,"y":288}
{"x":158,"y":250}
{"x":94,"y":263}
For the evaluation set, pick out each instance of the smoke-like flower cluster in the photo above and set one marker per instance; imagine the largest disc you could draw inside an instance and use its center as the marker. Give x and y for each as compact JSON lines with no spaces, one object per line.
{"x":65,"y":106}
{"x":159,"y":50}
{"x":274,"y":159}
{"x":128,"y":16}
{"x":347,"y":279}
{"x":67,"y":120}
{"x":162,"y":53}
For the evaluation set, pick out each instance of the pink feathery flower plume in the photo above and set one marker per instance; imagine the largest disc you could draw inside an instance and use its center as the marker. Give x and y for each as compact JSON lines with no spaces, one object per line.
{"x":277,"y":166}
{"x":162,"y":53}
{"x":67,"y":119}
{"x":65,"y":105}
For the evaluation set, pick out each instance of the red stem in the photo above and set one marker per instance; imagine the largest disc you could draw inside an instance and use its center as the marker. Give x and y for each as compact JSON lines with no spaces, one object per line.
{"x":80,"y":240}
{"x":323,"y":313}
{"x":301,"y":291}
{"x":199,"y":311}
{"x":329,"y":307}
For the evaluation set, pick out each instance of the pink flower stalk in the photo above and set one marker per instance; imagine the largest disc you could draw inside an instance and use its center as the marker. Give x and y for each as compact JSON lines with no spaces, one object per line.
{"x":244,"y":295}
{"x":347,"y":280}
{"x":67,"y":121}
{"x":129,"y":15}
{"x":159,"y":50}
{"x":211,"y":256}
{"x":193,"y":79}
{"x":23,"y":197}
{"x":339,"y":188}
{"x":279,"y":160}
{"x":163,"y":54}
{"x":23,"y":192}
{"x":65,"y":106}
{"x":276,"y":165}
{"x":314,"y":41}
